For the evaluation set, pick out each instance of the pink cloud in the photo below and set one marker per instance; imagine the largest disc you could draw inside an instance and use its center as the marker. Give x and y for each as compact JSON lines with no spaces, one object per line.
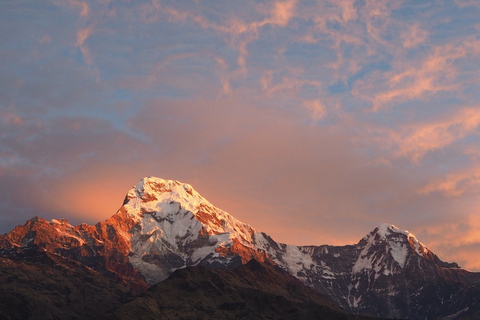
{"x":456,"y":239}
{"x":437,"y":72}
{"x":82,"y":36}
{"x":454,"y":184}
{"x":467,"y":3}
{"x":83,"y":6}
{"x":280,"y":13}
{"x":418,"y":139}
{"x":316,"y":109}
{"x":414,"y":36}
{"x":11,"y":118}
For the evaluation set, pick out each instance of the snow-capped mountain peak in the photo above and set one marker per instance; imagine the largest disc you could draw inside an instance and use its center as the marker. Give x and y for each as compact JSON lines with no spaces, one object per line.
{"x":384,"y":243}
{"x":392,"y":235}
{"x":172,"y":200}
{"x":154,"y":190}
{"x":175,"y":221}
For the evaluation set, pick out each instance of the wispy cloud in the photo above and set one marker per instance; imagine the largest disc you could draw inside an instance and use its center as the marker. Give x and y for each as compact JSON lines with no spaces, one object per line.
{"x":280,"y":13}
{"x":82,"y":36}
{"x":414,"y":36}
{"x":80,"y":5}
{"x":467,"y":3}
{"x":418,"y":139}
{"x":454,"y":184}
{"x":316,"y":109}
{"x":437,"y":72}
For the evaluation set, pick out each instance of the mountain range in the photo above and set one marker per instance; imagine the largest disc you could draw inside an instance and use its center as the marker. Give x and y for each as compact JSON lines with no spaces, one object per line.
{"x":165,"y":228}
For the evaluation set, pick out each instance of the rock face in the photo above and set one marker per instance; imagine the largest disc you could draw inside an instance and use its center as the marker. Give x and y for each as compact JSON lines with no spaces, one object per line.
{"x":166,"y":225}
{"x":100,"y":247}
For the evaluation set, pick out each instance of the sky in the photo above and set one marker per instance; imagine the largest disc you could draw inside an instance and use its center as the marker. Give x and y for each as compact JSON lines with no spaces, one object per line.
{"x":313,"y":121}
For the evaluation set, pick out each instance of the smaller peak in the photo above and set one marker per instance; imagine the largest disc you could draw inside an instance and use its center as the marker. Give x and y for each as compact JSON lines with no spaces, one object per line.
{"x":386,"y":229}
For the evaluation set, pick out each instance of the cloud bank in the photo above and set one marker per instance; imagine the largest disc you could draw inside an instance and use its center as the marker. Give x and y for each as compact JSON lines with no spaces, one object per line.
{"x":312,"y":121}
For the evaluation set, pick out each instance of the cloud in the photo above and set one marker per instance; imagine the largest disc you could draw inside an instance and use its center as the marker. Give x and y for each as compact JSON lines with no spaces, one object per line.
{"x":467,"y":3}
{"x":416,"y":140}
{"x":455,"y":240}
{"x":414,"y":36}
{"x":11,"y":118}
{"x":82,"y":35}
{"x":454,"y":184}
{"x":82,"y":6}
{"x":45,"y":39}
{"x":280,"y":14}
{"x":437,"y":72}
{"x":238,"y":32}
{"x":316,"y":109}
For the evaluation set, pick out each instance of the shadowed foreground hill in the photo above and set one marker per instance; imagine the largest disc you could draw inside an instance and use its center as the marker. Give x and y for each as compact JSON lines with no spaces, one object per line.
{"x":252,"y":291}
{"x":35,"y":284}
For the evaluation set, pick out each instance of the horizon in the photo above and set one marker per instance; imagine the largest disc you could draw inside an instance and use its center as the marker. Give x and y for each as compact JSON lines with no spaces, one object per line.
{"x":313,"y":122}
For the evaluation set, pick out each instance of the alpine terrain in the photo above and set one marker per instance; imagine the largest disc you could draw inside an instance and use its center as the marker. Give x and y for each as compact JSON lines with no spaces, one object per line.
{"x":165,"y":225}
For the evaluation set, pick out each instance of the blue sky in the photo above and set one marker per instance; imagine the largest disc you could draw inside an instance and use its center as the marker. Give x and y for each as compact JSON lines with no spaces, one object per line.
{"x":314,"y":121}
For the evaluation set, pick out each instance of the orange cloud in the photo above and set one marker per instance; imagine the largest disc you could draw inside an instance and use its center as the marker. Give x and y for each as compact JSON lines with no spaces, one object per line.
{"x":159,"y":67}
{"x":316,"y":109}
{"x":413,"y":36}
{"x":45,"y":39}
{"x":454,"y":184}
{"x":239,"y":33}
{"x":82,"y":35}
{"x":281,"y":13}
{"x":467,"y":3}
{"x":437,"y":72}
{"x":417,"y":140}
{"x":455,"y":240}
{"x":11,"y":118}
{"x":287,"y":84}
{"x":80,"y":5}
{"x":348,"y":10}
{"x":224,"y":76}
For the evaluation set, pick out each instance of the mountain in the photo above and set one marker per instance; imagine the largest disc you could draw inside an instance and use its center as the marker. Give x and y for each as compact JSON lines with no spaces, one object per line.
{"x":165,"y":225}
{"x":252,"y":291}
{"x":389,"y":273}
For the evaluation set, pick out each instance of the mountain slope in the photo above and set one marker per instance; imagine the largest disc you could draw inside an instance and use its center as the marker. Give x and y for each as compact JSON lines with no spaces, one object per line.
{"x":252,"y":291}
{"x":36,"y":284}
